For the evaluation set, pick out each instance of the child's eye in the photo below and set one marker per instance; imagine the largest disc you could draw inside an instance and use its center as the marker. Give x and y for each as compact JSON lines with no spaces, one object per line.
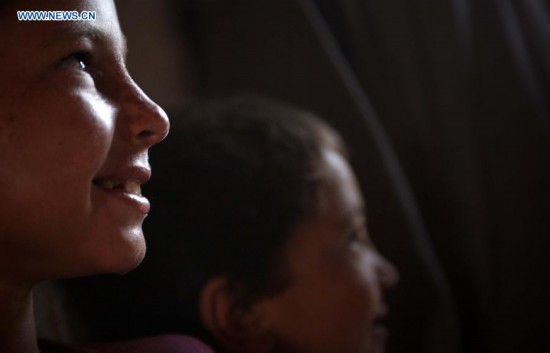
{"x":353,"y":236}
{"x":357,"y":235}
{"x":78,"y":60}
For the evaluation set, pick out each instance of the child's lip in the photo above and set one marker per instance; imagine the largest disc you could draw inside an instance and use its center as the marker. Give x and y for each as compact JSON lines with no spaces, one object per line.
{"x":125,"y":184}
{"x":379,"y":319}
{"x":129,"y":174}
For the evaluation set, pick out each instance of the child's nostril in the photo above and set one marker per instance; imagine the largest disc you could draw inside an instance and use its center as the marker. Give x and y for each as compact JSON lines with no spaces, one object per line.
{"x":145,"y":134}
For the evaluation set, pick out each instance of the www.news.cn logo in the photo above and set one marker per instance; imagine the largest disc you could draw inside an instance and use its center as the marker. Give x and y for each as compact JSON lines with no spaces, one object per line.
{"x":56,"y":15}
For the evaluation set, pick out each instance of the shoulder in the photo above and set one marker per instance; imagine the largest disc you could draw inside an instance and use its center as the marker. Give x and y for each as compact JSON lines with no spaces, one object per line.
{"x":168,"y":343}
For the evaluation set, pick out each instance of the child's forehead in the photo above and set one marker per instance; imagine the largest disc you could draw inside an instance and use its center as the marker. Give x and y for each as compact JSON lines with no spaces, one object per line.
{"x":21,"y":36}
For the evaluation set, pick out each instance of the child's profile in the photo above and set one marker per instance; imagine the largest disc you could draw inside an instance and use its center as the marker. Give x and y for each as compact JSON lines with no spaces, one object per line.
{"x":259,"y":242}
{"x":75,"y":131}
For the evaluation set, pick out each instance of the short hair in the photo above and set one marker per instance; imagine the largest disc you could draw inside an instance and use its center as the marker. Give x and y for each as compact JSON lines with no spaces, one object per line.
{"x":230,"y":183}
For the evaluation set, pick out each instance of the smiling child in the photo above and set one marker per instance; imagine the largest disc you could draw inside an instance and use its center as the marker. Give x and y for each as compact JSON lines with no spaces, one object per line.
{"x":259,"y":243}
{"x":75,"y":130}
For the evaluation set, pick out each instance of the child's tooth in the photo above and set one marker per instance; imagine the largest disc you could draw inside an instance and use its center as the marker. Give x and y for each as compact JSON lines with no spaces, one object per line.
{"x":132,"y":188}
{"x":108,"y":184}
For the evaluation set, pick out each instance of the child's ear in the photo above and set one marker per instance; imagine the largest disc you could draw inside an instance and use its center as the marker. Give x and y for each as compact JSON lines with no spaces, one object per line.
{"x":239,"y":329}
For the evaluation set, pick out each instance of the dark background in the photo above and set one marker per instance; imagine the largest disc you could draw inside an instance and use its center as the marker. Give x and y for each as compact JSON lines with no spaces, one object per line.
{"x":445,"y":105}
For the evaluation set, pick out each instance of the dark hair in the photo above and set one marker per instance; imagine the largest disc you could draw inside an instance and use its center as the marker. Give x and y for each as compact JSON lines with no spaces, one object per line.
{"x":230,"y":183}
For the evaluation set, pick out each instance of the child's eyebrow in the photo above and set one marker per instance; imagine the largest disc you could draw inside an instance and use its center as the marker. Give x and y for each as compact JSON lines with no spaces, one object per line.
{"x":353,"y":217}
{"x":356,"y":212}
{"x":71,"y":31}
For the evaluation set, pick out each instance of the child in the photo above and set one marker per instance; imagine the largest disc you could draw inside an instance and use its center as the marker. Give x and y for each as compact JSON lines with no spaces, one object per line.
{"x":75,"y":131}
{"x":259,"y":241}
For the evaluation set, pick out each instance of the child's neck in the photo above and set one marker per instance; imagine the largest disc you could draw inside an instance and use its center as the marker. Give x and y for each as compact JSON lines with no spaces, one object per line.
{"x":17,"y":329}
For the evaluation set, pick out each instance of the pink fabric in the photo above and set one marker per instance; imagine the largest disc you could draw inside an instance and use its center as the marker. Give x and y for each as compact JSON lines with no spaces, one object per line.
{"x":169,"y":343}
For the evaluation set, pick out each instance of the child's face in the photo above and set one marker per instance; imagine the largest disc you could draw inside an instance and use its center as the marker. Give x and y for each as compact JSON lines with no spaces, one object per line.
{"x":74,"y":135}
{"x":338,"y":278}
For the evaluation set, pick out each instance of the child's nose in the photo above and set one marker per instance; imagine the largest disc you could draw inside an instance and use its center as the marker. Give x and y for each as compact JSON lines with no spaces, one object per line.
{"x":388,"y":276}
{"x":147,"y":123}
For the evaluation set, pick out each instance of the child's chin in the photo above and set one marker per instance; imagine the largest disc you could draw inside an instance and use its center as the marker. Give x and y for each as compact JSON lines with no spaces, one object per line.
{"x":130,"y":262}
{"x":120,"y":259}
